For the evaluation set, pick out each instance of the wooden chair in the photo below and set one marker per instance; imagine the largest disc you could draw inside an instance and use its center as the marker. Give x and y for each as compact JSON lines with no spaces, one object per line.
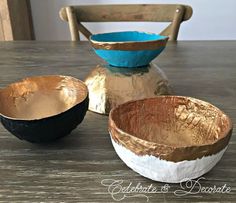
{"x":173,"y":13}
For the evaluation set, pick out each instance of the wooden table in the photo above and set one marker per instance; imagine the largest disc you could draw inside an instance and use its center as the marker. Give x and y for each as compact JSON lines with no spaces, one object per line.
{"x":72,"y":169}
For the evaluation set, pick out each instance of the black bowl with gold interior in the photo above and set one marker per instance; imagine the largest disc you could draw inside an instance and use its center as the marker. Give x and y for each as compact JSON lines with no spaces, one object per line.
{"x":43,"y":108}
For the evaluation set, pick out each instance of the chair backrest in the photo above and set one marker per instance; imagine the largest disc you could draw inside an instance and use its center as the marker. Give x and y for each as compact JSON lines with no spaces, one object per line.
{"x":173,"y":13}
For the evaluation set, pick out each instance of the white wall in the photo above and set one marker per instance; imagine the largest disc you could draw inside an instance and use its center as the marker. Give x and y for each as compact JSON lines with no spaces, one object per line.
{"x":211,"y":20}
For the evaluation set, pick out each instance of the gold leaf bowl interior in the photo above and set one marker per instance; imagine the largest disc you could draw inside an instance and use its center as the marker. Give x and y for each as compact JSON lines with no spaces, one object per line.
{"x":41,"y":97}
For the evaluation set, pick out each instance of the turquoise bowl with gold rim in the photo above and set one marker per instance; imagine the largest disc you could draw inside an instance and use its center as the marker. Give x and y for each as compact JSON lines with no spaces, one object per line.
{"x":129,"y":48}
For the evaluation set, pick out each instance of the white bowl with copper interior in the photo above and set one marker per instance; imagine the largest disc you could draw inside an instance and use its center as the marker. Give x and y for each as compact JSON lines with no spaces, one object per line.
{"x":169,"y":138}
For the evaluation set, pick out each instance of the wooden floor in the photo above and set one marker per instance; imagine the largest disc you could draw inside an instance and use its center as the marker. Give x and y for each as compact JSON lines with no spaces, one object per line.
{"x":71,"y":169}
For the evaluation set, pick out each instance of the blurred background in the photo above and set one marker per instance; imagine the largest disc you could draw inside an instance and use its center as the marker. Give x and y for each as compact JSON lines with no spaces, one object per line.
{"x":211,"y":20}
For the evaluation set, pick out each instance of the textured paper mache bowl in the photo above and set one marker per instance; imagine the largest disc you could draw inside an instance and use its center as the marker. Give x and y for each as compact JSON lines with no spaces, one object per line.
{"x":43,"y":108}
{"x":110,"y":86}
{"x":128,"y":49}
{"x":169,"y":138}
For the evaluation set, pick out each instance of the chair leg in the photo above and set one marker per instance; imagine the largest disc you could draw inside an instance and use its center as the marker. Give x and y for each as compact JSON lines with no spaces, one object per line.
{"x":167,"y":30}
{"x":73,"y":26}
{"x":178,"y":17}
{"x":84,"y":30}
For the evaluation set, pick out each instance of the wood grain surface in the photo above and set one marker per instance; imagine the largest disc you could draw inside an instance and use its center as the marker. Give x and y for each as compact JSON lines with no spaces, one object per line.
{"x":71,"y":169}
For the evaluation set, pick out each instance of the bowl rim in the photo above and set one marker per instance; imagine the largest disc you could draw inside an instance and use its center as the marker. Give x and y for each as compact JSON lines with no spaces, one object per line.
{"x":114,"y":42}
{"x":129,"y":45}
{"x":111,"y":120}
{"x":45,"y":76}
